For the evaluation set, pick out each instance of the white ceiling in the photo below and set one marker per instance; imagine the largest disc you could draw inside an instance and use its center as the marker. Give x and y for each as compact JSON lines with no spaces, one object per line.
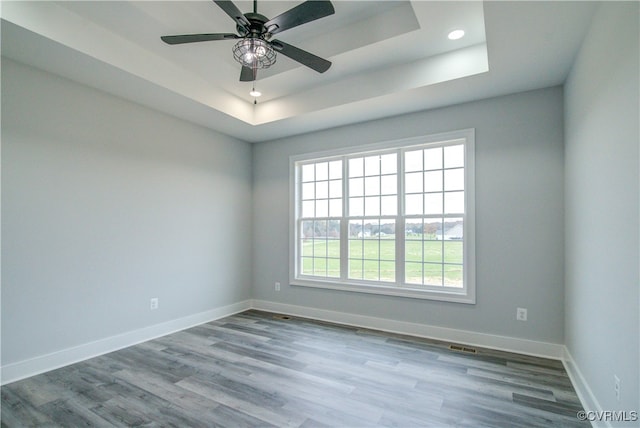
{"x":389,"y":57}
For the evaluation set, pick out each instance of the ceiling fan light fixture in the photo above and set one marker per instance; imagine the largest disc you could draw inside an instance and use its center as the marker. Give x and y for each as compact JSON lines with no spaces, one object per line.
{"x":253,"y":49}
{"x":254,"y":53}
{"x":254,"y":93}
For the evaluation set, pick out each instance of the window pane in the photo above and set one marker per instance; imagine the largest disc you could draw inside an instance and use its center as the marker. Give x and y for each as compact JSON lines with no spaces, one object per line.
{"x":308,"y":191}
{"x":372,"y":185}
{"x":322,"y":189}
{"x":453,"y":252}
{"x":413,"y":251}
{"x":319,"y":248}
{"x":454,"y":156}
{"x":388,"y":164}
{"x":306,"y":234}
{"x":372,"y":165}
{"x":333,"y":248}
{"x":308,"y":172}
{"x":333,"y":229}
{"x":356,"y":187}
{"x":432,"y":274}
{"x":335,"y":189}
{"x":454,"y":202}
{"x":453,"y":276}
{"x":307,"y":230}
{"x":355,"y":249}
{"x":307,"y":248}
{"x":307,"y":266}
{"x":322,"y":208}
{"x":433,"y":181}
{"x":413,"y":182}
{"x":335,"y":170}
{"x":433,"y":203}
{"x":371,"y":270}
{"x":454,"y":179}
{"x":372,"y":206}
{"x":388,"y":230}
{"x":308,"y":208}
{"x":356,"y":167}
{"x":433,"y":251}
{"x":389,"y":185}
{"x":335,"y":207}
{"x":389,"y":205}
{"x":433,"y":158}
{"x":371,"y":249}
{"x":453,"y":229}
{"x":322,"y":171}
{"x":413,"y":204}
{"x":413,"y":161}
{"x":413,"y":229}
{"x":413,"y":273}
{"x":333,"y":268}
{"x":320,"y":267}
{"x":387,"y":271}
{"x":433,"y":229}
{"x":356,"y":207}
{"x":320,"y":228}
{"x":355,"y":268}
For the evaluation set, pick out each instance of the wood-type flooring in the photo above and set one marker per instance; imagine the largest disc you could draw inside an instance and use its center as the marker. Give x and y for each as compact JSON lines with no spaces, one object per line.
{"x":257,"y":369}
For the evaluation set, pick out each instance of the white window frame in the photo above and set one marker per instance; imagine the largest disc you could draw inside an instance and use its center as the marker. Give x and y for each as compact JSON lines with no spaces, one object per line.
{"x":466,"y":294}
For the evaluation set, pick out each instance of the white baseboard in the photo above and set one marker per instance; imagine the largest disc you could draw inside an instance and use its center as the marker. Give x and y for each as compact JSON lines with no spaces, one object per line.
{"x":502,"y":343}
{"x":588,"y":400}
{"x":23,"y":369}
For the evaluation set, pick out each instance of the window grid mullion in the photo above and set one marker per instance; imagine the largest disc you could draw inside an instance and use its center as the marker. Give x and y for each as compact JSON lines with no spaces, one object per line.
{"x":344,"y":222}
{"x":400,"y":221}
{"x":443,"y":213}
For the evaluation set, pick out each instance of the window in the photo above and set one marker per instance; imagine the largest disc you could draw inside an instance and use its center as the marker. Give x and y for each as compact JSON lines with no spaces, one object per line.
{"x":394,"y":218}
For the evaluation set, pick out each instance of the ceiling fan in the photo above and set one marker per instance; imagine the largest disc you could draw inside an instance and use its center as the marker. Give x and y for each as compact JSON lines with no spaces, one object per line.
{"x":255,"y":49}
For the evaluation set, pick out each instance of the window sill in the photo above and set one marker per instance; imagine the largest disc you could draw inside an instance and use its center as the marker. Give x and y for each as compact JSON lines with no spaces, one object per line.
{"x":390,"y":290}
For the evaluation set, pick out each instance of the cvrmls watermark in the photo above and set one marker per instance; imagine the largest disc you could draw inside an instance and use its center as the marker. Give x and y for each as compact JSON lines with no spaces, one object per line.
{"x":608,"y":416}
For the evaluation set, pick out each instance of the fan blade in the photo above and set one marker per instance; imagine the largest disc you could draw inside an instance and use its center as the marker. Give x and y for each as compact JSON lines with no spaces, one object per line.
{"x":190,"y":38}
{"x":303,"y":57}
{"x":301,"y":14}
{"x":248,"y":74}
{"x":235,"y":14}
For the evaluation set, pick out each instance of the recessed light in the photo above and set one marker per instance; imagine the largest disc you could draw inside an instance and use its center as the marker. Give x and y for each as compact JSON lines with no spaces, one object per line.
{"x":456,"y":34}
{"x":255,"y":93}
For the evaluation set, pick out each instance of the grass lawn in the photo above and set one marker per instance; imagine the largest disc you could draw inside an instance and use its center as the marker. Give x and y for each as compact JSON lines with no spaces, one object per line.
{"x":436,"y":262}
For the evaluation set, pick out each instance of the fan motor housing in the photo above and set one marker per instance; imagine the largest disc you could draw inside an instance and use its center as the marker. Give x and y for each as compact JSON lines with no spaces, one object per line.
{"x":257,"y":28}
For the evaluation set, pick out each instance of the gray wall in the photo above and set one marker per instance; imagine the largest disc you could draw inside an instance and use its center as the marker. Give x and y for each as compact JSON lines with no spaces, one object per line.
{"x":602,"y":218}
{"x":519,"y":216}
{"x":106,"y":204}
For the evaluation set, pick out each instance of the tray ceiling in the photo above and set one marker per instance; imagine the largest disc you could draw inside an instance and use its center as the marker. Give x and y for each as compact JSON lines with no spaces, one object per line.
{"x":389,"y":57}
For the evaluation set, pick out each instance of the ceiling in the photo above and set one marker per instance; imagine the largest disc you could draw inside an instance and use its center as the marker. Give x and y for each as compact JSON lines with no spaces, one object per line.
{"x":388,"y":57}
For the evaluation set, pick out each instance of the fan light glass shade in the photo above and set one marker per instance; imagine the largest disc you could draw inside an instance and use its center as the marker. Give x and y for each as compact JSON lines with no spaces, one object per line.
{"x":254,"y":53}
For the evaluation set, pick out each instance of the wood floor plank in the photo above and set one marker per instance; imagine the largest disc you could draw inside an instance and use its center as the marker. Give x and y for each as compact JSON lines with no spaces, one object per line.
{"x":258,"y":369}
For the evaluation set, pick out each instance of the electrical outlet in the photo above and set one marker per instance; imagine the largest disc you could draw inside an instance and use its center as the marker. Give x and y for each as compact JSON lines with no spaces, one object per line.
{"x":154,"y":303}
{"x":616,"y":386}
{"x":521,"y":314}
{"x":277,"y":286}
